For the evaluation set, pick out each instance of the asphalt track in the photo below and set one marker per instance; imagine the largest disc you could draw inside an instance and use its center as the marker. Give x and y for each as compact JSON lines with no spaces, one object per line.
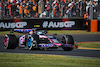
{"x":75,"y":52}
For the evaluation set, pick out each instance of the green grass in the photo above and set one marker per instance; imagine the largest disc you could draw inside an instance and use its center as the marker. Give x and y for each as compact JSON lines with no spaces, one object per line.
{"x":31,"y":60}
{"x":8,"y":32}
{"x":71,"y":32}
{"x":90,"y":45}
{"x":57,"y":32}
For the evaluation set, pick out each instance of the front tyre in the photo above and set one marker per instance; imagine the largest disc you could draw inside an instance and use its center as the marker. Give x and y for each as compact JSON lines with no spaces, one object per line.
{"x":68,"y":49}
{"x":67,"y":39}
{"x":76,"y":45}
{"x":10,"y":41}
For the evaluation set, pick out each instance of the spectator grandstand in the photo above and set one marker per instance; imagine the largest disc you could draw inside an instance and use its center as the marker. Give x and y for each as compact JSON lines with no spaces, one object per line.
{"x":46,"y":8}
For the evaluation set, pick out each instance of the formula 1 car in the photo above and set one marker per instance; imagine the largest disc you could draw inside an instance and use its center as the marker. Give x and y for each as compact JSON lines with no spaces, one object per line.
{"x":39,"y":40}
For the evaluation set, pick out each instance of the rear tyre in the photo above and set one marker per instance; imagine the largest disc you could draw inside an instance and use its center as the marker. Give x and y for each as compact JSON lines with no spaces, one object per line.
{"x":10,"y":41}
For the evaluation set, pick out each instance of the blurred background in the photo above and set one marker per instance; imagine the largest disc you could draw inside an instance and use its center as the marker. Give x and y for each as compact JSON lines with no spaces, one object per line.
{"x":12,"y":9}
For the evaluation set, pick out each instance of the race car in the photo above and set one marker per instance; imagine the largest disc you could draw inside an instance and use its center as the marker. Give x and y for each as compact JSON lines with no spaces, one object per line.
{"x":39,"y":40}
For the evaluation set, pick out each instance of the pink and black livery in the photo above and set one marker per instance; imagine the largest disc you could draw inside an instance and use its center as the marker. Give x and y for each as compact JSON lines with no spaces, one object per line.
{"x":38,"y":39}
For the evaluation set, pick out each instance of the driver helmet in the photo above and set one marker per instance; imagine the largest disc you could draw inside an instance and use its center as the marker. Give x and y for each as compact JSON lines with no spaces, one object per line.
{"x":39,"y":33}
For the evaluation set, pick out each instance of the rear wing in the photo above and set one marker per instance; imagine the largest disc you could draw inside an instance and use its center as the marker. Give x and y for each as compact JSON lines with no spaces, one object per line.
{"x":28,"y":30}
{"x":25,"y":30}
{"x":22,"y":30}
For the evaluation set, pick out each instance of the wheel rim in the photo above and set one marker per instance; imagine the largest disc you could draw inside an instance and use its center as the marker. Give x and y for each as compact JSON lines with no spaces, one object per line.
{"x":6,"y":40}
{"x":29,"y":42}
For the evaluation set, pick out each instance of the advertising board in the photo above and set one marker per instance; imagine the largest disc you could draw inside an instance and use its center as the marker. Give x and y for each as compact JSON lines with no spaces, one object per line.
{"x":49,"y":24}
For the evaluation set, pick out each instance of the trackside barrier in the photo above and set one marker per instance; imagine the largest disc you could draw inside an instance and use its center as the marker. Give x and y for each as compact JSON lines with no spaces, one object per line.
{"x":51,"y":24}
{"x":94,"y":25}
{"x":98,"y":25}
{"x":48,"y":24}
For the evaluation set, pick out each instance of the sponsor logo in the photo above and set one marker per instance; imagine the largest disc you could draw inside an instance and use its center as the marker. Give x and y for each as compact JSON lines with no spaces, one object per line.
{"x":13,"y":25}
{"x":36,"y":25}
{"x":51,"y":24}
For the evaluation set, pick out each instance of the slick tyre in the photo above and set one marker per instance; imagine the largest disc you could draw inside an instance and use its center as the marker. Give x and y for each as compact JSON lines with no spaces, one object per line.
{"x":68,"y":49}
{"x":68,"y":39}
{"x":10,"y":41}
